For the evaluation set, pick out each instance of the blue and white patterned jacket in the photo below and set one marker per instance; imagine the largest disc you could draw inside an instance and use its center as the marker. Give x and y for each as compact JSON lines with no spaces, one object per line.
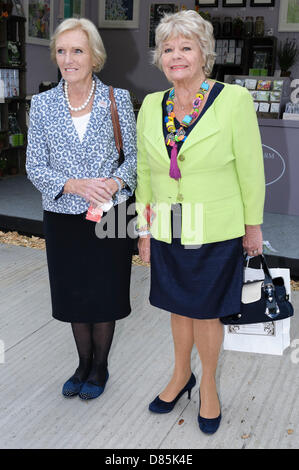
{"x":55,"y":153}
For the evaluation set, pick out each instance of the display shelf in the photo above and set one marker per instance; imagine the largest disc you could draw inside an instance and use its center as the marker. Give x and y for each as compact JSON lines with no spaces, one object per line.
{"x":263,"y":51}
{"x":232,"y":56}
{"x":267,"y":93}
{"x":11,"y":148}
{"x":13,"y":32}
{"x":237,"y":55}
{"x":15,"y":99}
{"x":9,"y":66}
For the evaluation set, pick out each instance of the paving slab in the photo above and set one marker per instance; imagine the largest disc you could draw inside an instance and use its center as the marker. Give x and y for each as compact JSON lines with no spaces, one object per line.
{"x":259,"y":393}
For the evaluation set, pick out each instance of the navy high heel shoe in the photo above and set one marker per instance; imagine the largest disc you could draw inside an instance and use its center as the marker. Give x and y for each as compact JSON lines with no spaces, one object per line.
{"x":208,"y":425}
{"x":72,"y":387}
{"x":90,"y":390}
{"x":160,"y":406}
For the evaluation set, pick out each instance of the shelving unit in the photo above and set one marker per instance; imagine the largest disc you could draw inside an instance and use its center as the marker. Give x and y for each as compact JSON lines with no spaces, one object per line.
{"x":266,"y":47}
{"x":250,"y":47}
{"x":12,"y":34}
{"x":225,"y":64}
{"x":267,"y":93}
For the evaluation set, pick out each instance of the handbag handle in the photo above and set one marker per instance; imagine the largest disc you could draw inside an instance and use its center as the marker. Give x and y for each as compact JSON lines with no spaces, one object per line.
{"x":116,"y":127}
{"x":272,"y":309}
{"x":263,"y":264}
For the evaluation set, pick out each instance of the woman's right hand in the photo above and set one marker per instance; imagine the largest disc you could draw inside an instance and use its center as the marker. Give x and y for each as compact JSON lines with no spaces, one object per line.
{"x":93,"y":190}
{"x":144,"y":247}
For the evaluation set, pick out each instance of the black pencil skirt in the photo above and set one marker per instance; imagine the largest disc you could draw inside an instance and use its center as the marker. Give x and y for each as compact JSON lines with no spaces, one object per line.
{"x":89,"y":277}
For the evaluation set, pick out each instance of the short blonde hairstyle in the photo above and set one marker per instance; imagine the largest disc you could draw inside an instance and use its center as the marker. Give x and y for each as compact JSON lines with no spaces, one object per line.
{"x":95,"y":41}
{"x":189,"y":24}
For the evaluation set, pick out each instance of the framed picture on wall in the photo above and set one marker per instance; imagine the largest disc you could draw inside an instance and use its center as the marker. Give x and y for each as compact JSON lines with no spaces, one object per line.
{"x":289,"y":15}
{"x":78,"y":8}
{"x":157,"y":11}
{"x":262,"y":3}
{"x":17,"y":9}
{"x":73,"y":8}
{"x":206,"y":3}
{"x":234,"y":3}
{"x":39,"y":24}
{"x":119,"y":14}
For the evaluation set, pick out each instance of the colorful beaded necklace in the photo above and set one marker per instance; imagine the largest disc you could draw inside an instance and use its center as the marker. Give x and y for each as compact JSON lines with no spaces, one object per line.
{"x":179,"y":135}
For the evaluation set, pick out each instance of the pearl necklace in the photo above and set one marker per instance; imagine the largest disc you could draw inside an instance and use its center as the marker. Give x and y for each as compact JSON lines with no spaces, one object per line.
{"x":86,"y":102}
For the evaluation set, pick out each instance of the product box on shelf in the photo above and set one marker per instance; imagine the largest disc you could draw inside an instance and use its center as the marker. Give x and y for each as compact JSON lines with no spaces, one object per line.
{"x":229,"y":51}
{"x":266,"y":93}
{"x":11,"y":80}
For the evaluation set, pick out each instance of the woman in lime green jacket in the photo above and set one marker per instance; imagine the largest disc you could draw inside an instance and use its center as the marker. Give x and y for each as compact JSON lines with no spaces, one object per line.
{"x":200,"y":199}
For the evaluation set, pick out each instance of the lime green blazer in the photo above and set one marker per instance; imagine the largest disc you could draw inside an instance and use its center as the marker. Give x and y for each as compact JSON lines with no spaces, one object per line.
{"x":222,"y":187}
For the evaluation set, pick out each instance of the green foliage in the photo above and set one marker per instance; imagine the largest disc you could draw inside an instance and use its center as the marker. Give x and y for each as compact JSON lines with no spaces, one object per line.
{"x":287,"y":54}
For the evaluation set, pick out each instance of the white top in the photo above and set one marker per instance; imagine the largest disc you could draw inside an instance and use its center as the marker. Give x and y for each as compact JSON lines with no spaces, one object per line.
{"x":81,"y":124}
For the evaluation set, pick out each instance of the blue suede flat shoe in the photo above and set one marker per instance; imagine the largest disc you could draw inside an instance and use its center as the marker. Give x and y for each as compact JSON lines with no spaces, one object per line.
{"x":208,"y":425}
{"x":160,"y":406}
{"x":90,"y":390}
{"x":72,"y":387}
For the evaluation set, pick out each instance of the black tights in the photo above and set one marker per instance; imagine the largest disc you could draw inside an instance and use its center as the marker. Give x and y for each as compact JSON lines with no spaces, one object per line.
{"x":93,"y":341}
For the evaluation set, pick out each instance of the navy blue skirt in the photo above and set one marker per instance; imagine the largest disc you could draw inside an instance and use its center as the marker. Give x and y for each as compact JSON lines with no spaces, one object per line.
{"x":201,"y":283}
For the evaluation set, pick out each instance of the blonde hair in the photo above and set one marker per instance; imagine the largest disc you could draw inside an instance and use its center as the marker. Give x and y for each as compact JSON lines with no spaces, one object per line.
{"x":190,"y":24}
{"x":95,"y":41}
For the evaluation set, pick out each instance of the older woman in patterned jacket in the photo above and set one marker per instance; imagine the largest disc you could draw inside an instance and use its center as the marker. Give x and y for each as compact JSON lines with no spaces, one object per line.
{"x":73,"y":161}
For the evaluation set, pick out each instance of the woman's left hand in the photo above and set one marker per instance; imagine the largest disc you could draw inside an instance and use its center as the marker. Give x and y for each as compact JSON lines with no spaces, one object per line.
{"x":112,"y":185}
{"x":253,"y":240}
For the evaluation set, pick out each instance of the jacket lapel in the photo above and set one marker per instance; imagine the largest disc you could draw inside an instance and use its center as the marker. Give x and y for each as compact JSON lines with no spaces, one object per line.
{"x":100,"y":111}
{"x":101,"y":106}
{"x":64,"y":116}
{"x":155,"y":134}
{"x":207,"y":127}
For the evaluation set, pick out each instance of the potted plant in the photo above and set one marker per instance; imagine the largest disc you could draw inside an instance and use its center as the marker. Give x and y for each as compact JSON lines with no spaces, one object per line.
{"x":287,"y":56}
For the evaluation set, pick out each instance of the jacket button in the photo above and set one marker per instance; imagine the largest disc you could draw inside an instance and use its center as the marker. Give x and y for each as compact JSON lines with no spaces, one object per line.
{"x":180,"y":197}
{"x":181,"y":158}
